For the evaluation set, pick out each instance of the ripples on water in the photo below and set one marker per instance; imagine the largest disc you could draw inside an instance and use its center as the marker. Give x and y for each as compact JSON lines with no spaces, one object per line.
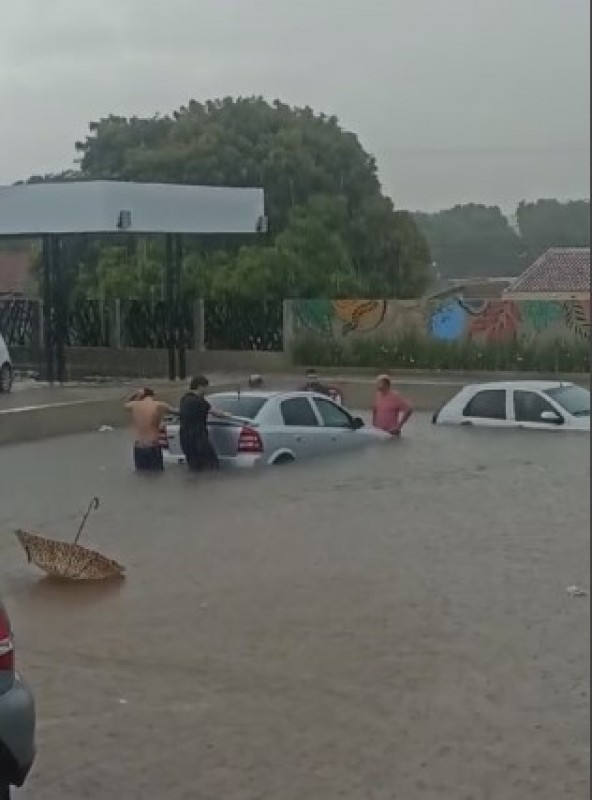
{"x":280,"y":623}
{"x":430,"y":478}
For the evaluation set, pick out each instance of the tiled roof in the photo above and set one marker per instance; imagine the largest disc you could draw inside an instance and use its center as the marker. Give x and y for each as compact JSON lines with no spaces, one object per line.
{"x":15,"y":268}
{"x":560,"y":269}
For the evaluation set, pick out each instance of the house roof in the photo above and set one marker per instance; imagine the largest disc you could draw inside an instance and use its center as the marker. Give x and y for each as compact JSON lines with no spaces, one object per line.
{"x":470,"y":287}
{"x":100,"y":207}
{"x":559,"y":270}
{"x":15,"y":269}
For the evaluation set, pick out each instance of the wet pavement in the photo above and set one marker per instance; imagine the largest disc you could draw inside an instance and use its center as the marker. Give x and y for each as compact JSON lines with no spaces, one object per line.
{"x":391,"y":624}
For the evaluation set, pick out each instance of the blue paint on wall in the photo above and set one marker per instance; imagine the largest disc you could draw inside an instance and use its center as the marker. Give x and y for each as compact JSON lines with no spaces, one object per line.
{"x":448,"y":322}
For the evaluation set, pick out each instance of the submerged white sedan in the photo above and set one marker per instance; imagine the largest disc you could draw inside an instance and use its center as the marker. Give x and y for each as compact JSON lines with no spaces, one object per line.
{"x":542,"y":405}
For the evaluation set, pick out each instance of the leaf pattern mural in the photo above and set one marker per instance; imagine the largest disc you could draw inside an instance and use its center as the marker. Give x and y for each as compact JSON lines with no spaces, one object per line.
{"x":359,"y":315}
{"x":498,"y":322}
{"x":541,"y":314}
{"x":314,"y":314}
{"x":577,"y":317}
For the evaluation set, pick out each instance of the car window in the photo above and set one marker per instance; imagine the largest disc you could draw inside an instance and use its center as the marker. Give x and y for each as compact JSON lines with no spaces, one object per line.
{"x":246,"y":406}
{"x":487,"y":404}
{"x":332,"y":416}
{"x":528,"y":406}
{"x":574,"y":399}
{"x":298,"y":412}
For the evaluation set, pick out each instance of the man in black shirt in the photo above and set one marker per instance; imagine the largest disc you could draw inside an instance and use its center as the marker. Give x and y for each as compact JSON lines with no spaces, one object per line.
{"x":193,"y":417}
{"x":313,"y":384}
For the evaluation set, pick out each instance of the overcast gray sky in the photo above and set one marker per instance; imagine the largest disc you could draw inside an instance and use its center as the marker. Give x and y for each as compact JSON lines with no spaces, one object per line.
{"x":460,"y":100}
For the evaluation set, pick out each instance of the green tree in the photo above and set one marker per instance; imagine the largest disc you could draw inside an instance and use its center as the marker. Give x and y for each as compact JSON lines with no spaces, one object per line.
{"x":331,"y":229}
{"x":472,"y":240}
{"x":549,"y":223}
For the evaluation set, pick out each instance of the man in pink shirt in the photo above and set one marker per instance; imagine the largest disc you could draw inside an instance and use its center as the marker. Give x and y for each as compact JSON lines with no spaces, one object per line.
{"x":390,"y":410}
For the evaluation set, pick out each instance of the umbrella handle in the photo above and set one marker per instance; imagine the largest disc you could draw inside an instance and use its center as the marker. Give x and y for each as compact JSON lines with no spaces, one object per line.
{"x":92,"y":506}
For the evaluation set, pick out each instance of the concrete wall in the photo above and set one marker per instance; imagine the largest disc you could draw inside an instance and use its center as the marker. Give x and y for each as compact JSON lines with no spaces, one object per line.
{"x":50,"y":419}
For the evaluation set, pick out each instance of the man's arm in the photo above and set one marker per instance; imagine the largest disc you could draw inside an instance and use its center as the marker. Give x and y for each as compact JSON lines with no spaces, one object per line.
{"x":132,"y":399}
{"x":405,"y":410}
{"x":164,"y":409}
{"x":215,"y":412}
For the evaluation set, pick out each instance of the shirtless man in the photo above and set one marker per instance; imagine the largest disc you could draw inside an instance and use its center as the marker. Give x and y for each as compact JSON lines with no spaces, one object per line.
{"x":147,"y":416}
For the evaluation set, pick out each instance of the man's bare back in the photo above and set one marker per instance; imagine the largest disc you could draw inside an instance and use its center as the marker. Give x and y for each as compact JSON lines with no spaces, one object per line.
{"x":147,"y":416}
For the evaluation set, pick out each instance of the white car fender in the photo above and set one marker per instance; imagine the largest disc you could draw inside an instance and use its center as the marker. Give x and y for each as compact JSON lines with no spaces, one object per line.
{"x":283,"y":452}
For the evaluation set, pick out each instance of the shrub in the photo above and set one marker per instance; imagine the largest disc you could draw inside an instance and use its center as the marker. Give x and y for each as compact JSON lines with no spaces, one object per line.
{"x":416,"y":353}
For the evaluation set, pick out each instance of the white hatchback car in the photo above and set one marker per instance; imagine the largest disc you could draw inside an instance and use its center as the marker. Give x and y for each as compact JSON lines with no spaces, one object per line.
{"x":543,"y":405}
{"x":6,"y":373}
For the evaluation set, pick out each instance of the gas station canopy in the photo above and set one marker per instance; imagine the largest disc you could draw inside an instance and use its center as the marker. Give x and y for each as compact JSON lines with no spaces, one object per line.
{"x":54,"y":211}
{"x":103,"y":207}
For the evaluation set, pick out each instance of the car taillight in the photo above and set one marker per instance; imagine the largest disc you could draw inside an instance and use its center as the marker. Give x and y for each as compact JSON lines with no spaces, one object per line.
{"x":6,"y":644}
{"x":163,"y":439}
{"x":249,"y":441}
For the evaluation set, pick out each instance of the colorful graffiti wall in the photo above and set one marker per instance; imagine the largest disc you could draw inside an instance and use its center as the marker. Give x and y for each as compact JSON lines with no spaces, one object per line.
{"x":451,"y":320}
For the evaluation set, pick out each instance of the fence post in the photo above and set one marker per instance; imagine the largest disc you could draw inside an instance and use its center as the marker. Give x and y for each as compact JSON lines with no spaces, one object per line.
{"x":116,"y":324}
{"x":40,"y":325}
{"x":287,"y":327}
{"x":199,"y":326}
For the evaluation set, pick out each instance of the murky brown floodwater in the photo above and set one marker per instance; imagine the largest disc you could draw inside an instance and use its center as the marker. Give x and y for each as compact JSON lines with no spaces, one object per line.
{"x":394,"y":624}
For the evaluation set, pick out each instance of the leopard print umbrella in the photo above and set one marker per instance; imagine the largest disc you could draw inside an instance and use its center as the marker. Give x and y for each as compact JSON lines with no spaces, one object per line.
{"x":67,"y":560}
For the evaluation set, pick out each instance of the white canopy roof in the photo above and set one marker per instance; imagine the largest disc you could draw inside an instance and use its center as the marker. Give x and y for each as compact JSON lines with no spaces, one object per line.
{"x":112,"y":206}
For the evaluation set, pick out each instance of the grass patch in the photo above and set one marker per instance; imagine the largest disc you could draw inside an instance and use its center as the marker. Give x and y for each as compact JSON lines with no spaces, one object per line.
{"x":416,"y":353}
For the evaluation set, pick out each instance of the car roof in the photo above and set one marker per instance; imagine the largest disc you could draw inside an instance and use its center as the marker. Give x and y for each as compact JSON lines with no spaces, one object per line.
{"x":240,"y":393}
{"x":267,"y":394}
{"x":527,"y":384}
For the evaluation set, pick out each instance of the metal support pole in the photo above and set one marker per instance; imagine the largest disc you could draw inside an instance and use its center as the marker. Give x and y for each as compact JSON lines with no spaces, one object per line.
{"x":169,"y":278}
{"x":48,"y":338}
{"x":61,"y":309}
{"x":181,"y":332}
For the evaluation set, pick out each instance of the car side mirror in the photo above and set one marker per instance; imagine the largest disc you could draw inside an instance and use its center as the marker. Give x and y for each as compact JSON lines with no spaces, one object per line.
{"x":357,"y":423}
{"x":552,"y":417}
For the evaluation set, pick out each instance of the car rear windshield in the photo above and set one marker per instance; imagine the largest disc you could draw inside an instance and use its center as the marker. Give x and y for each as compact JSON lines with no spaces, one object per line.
{"x":573,"y":399}
{"x":246,"y":406}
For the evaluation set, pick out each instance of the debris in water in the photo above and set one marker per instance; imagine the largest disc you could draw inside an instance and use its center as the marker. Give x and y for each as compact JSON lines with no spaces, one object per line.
{"x":106,"y":429}
{"x":576,"y":591}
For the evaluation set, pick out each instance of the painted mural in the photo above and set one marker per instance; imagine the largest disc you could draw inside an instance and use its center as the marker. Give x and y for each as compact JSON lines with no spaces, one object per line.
{"x":577,"y":318}
{"x":338,"y":317}
{"x":453,"y":319}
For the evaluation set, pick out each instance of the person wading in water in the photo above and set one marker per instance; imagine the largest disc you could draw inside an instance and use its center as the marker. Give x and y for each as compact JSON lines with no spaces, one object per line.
{"x":193,"y":418}
{"x":313,"y":384}
{"x":390,"y":410}
{"x":147,"y":416}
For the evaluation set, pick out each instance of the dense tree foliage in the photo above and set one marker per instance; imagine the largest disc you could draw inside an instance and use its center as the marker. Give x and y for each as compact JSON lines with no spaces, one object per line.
{"x":472,"y":240}
{"x":331,"y":231}
{"x":549,"y":223}
{"x":475,"y":240}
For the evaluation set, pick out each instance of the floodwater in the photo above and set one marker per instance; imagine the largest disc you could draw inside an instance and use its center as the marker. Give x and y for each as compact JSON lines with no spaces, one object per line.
{"x":391,"y":624}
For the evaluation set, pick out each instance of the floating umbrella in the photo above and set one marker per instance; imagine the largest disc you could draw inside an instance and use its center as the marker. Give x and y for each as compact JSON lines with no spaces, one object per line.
{"x":68,"y":560}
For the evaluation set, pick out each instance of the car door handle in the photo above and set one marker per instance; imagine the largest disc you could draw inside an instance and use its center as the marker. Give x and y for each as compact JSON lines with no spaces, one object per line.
{"x":299,"y":438}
